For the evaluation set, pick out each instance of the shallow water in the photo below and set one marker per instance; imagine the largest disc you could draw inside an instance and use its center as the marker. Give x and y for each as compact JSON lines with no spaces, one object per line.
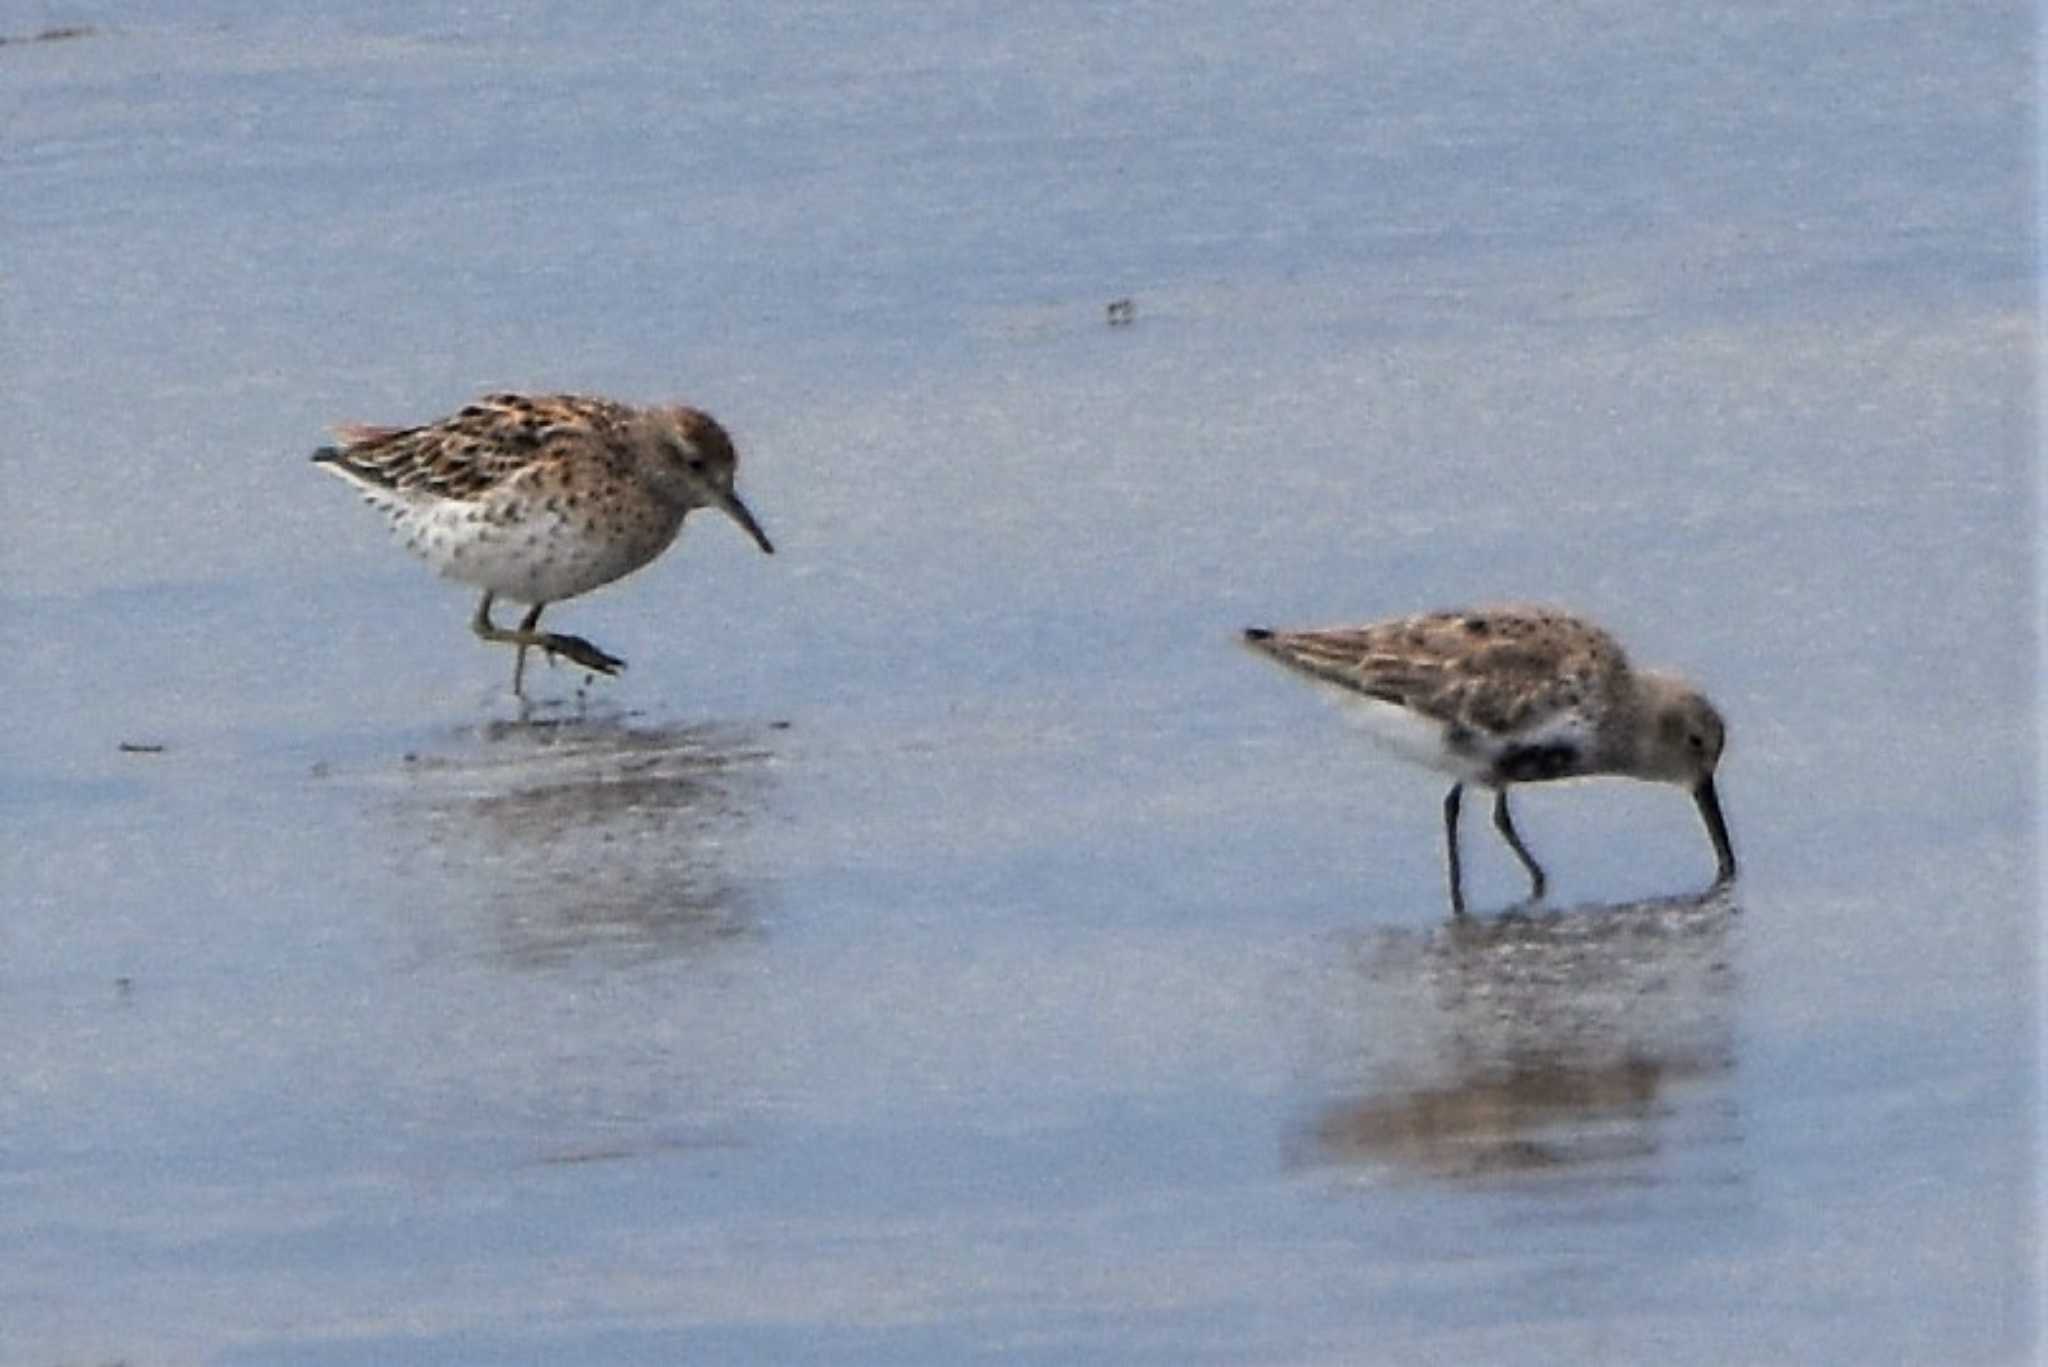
{"x":944,"y":942}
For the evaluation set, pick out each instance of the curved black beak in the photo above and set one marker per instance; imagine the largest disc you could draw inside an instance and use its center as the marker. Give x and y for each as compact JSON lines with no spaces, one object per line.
{"x":730,"y":505}
{"x":1709,"y":803}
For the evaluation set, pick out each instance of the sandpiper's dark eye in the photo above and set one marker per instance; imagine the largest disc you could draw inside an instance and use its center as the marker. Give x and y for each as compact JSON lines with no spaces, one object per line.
{"x":1697,"y":742}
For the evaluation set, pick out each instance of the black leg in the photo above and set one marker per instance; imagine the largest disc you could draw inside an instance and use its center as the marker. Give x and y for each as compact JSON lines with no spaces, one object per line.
{"x":526,"y":626}
{"x":575,"y":647}
{"x":481,"y":623}
{"x":1451,"y":847}
{"x":1505,"y":824}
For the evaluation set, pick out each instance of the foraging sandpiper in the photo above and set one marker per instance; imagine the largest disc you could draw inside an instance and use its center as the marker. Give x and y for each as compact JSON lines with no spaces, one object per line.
{"x":1509,"y":695}
{"x":540,"y":498}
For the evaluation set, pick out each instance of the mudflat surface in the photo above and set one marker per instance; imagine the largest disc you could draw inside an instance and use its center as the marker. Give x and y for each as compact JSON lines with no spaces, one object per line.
{"x":944,"y":943}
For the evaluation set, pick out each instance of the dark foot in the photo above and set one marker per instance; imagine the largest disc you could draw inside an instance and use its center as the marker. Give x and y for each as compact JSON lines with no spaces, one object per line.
{"x":581,"y":652}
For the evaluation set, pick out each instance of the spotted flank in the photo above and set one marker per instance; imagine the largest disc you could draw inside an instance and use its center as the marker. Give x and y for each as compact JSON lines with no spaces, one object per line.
{"x":1513,"y":694}
{"x":541,"y":498}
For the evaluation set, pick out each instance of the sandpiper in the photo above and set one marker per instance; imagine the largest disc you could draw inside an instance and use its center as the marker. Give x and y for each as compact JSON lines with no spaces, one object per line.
{"x":1514,"y":694}
{"x":541,"y":497}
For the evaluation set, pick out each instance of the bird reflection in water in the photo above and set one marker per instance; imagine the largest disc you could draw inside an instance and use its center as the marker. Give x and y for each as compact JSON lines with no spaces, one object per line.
{"x":1534,"y":1043}
{"x":594,"y":836}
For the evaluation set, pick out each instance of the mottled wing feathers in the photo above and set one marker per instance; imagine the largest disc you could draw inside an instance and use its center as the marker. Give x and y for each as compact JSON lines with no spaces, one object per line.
{"x":357,"y":433}
{"x":488,"y":442}
{"x":1493,"y":669}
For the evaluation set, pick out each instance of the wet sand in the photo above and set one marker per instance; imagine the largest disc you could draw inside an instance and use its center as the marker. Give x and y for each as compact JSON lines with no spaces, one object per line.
{"x":944,"y":943}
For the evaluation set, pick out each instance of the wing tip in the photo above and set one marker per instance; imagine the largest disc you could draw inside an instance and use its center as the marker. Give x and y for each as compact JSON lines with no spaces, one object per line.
{"x":1264,"y":641}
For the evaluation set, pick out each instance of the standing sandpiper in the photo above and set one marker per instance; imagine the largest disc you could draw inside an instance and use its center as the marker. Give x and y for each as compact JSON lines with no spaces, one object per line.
{"x":543,"y":497}
{"x":1511,"y":695}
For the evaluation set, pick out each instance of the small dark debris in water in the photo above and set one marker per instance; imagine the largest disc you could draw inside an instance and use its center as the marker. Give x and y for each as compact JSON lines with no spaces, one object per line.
{"x":320,"y":769}
{"x":136,"y":747}
{"x":412,"y":757}
{"x":780,"y":725}
{"x":52,"y":35}
{"x":587,"y":1156}
{"x":125,"y":986}
{"x":1121,"y":312}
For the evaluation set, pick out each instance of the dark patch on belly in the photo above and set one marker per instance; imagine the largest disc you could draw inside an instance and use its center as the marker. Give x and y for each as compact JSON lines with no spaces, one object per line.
{"x":1535,"y":763}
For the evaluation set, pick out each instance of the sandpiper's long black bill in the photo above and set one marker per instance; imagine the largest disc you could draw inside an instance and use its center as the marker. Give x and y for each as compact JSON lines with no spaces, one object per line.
{"x":730,"y":505}
{"x":1717,"y":828}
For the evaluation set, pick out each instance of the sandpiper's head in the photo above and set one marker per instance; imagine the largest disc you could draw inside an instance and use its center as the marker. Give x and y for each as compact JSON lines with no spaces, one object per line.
{"x":698,"y":461}
{"x":1683,"y":734}
{"x":1681,"y":743}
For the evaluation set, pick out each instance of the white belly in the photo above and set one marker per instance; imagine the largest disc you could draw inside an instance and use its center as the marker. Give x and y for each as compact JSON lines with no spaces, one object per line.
{"x":1410,"y":735}
{"x":540,"y":558}
{"x":1421,"y":740}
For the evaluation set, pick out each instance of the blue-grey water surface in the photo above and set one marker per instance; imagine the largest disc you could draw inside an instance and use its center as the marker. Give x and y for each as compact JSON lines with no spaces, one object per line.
{"x":943,"y":943}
